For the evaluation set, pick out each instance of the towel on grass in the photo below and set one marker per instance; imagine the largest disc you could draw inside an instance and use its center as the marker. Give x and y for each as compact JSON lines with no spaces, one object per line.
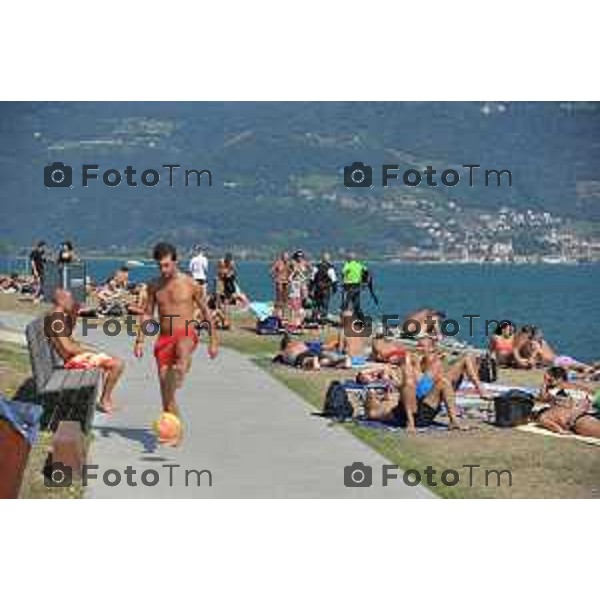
{"x":261,"y":310}
{"x":433,"y":428}
{"x":468,"y":396}
{"x":533,"y":428}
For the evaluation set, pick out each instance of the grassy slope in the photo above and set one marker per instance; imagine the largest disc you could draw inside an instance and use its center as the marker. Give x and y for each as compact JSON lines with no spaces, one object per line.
{"x":541,"y":467}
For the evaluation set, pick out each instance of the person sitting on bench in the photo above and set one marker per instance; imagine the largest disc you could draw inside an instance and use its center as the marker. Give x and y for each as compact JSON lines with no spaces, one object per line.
{"x":61,"y":322}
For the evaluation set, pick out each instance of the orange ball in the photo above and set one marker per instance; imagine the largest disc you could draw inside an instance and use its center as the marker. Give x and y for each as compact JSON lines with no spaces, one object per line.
{"x":167,"y":427}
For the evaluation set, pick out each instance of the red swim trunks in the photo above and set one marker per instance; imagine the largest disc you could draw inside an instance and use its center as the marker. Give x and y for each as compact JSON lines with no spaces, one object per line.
{"x":165,"y":348}
{"x":90,"y":360}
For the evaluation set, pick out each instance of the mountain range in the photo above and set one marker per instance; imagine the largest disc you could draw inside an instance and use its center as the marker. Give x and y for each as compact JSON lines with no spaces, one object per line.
{"x":278,"y":171}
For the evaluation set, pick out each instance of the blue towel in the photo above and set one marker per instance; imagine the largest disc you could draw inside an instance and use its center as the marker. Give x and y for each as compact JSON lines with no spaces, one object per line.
{"x":359,"y":361}
{"x":261,"y":310}
{"x":23,"y":416}
{"x":315,"y":346}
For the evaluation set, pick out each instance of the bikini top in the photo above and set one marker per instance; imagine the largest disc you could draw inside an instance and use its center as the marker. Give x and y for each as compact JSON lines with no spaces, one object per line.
{"x":502,"y":344}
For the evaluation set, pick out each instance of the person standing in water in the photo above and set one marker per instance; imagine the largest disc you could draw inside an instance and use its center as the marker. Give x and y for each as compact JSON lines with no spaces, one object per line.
{"x":176,"y":296}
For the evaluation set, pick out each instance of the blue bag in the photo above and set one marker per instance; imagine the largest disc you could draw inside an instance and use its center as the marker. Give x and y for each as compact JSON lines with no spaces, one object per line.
{"x":23,"y":416}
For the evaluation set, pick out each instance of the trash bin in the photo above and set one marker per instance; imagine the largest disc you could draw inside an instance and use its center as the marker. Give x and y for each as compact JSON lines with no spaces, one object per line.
{"x":19,"y":427}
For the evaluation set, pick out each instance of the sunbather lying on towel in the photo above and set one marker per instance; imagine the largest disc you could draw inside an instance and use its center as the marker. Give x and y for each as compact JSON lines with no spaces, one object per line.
{"x":296,"y":353}
{"x":381,"y":373}
{"x":426,"y":384}
{"x":418,"y":403}
{"x":570,"y":405}
{"x":387,"y":351}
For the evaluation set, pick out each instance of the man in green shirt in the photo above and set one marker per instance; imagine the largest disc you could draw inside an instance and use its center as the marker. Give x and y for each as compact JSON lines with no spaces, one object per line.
{"x":354,"y":274}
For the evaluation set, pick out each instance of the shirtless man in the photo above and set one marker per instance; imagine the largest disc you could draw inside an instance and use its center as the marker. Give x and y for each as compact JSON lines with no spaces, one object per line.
{"x":280,"y":273}
{"x":77,"y":356}
{"x":176,"y":296}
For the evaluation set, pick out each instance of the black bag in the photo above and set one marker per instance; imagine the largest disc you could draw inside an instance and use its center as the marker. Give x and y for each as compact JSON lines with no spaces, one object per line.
{"x":346,"y":400}
{"x":322,"y":282}
{"x":488,"y":369}
{"x":269,"y":326}
{"x":513,"y":408}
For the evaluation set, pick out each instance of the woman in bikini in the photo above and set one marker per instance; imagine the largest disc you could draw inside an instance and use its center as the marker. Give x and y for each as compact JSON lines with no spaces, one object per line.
{"x":569,"y":407}
{"x":502,"y":344}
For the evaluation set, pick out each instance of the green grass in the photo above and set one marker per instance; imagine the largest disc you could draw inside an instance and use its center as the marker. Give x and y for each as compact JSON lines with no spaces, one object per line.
{"x":14,"y":372}
{"x":541,"y":467}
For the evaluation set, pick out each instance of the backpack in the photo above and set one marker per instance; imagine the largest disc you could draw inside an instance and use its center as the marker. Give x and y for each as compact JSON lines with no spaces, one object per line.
{"x":513,"y":408}
{"x":345,"y":400}
{"x":321,"y":280}
{"x":488,"y":369}
{"x":269,"y":326}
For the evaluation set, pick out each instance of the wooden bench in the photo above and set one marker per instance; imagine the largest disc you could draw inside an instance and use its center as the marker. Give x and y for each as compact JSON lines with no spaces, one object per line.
{"x":65,"y":394}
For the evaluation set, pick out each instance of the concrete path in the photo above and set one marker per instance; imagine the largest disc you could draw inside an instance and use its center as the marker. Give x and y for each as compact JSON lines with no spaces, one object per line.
{"x":256,"y":437}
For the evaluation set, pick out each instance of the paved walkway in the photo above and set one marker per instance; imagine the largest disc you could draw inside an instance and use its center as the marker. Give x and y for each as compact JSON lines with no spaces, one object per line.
{"x":256,"y":437}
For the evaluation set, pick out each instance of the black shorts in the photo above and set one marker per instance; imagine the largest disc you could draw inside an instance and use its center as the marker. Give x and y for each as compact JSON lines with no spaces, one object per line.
{"x":424,"y":417}
{"x":200,"y":281}
{"x":303,"y":356}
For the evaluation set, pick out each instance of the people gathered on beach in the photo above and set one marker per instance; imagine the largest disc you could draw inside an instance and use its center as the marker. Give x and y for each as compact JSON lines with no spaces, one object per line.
{"x":409,"y":376}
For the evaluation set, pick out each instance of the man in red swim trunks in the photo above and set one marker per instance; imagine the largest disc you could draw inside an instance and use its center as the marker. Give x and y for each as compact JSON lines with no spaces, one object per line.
{"x":177,"y":296}
{"x":77,"y":356}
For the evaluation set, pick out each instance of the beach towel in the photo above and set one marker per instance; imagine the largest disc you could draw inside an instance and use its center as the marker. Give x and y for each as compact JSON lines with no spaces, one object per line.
{"x":534,"y":428}
{"x":468,"y":397}
{"x":261,"y":310}
{"x":435,"y":427}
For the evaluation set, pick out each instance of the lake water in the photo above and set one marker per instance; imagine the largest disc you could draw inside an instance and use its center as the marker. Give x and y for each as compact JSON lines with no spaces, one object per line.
{"x":561,"y":299}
